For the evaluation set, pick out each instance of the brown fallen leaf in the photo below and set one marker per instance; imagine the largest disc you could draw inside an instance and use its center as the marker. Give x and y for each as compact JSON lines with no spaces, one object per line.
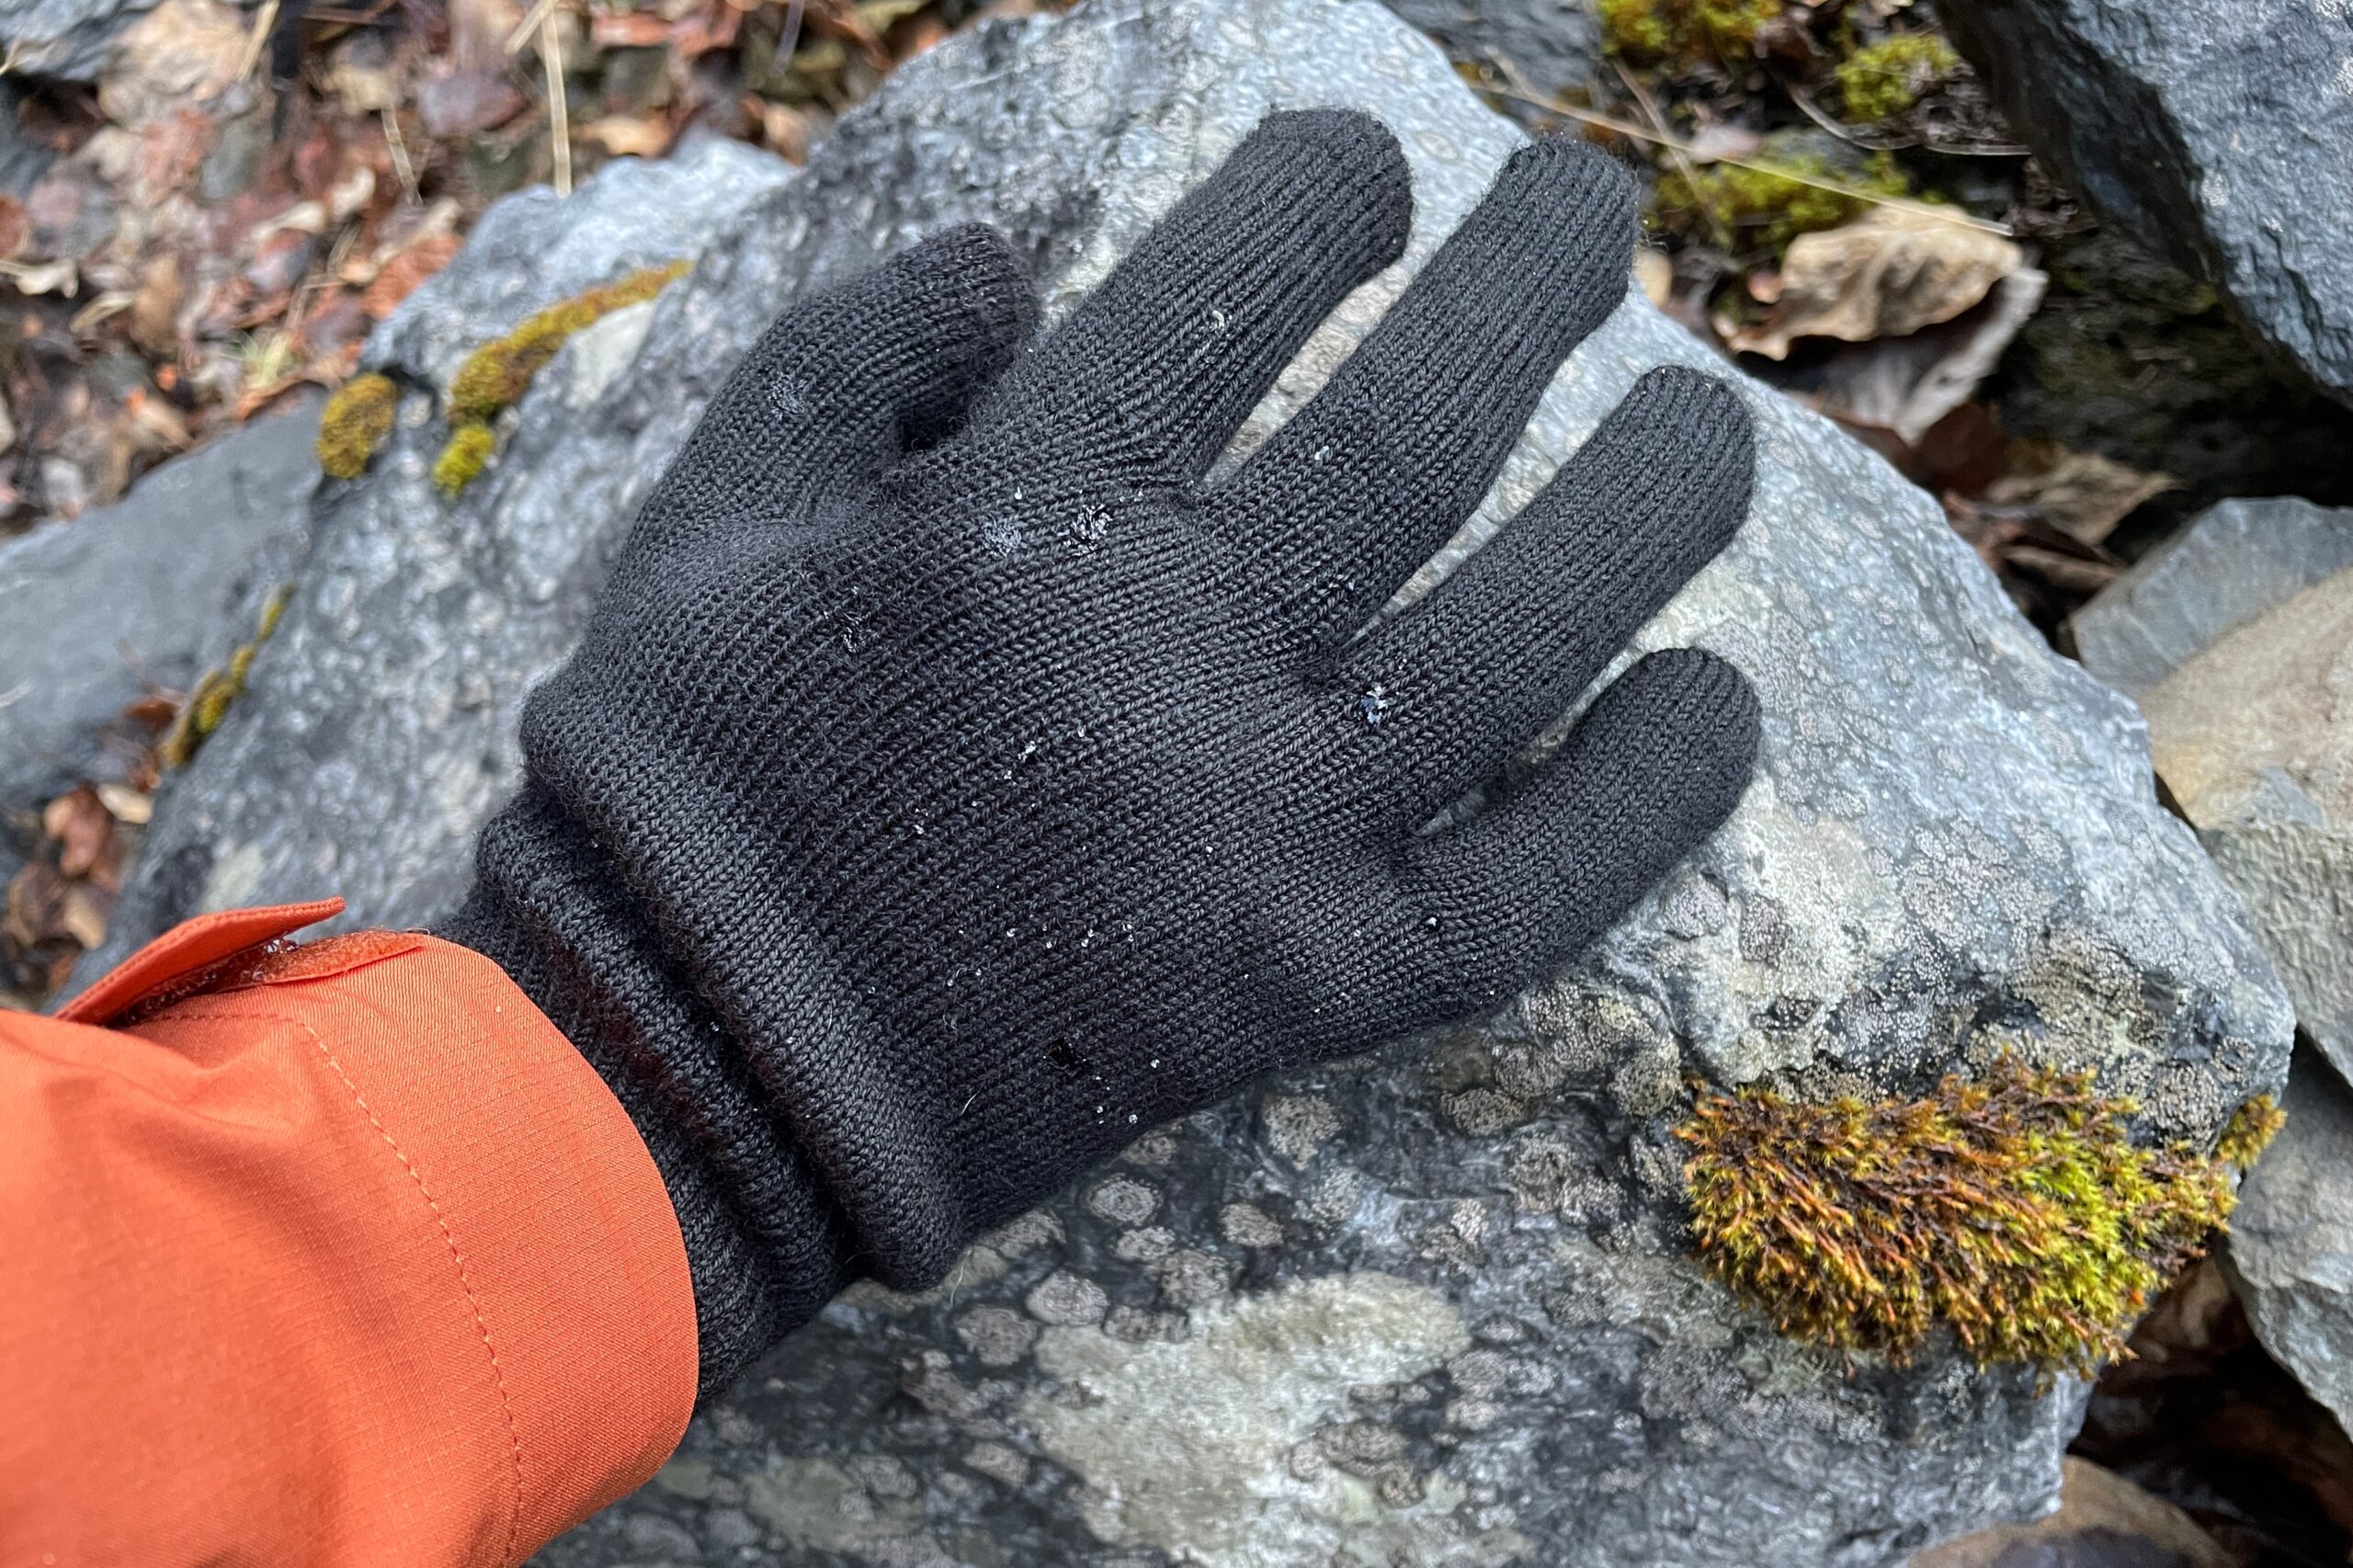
{"x":714,"y":27}
{"x":126,"y":805}
{"x":2083,"y":495}
{"x":172,"y":147}
{"x":180,"y":55}
{"x":785,"y":130}
{"x":82,"y":914}
{"x":399,"y":277}
{"x":1655,"y":271}
{"x":2047,"y":573}
{"x":1906,"y":384}
{"x":921,"y":33}
{"x":628,"y":29}
{"x":361,"y":81}
{"x":155,"y":710}
{"x":1888,"y":273}
{"x":638,"y":136}
{"x":842,"y":20}
{"x":29,"y":922}
{"x":466,"y":101}
{"x":82,"y":827}
{"x":2063,"y":569}
{"x":155,"y":305}
{"x":153,"y":425}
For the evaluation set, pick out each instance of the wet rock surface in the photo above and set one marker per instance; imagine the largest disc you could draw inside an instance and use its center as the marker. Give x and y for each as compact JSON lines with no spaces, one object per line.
{"x":1429,"y":1306}
{"x":149,"y":592}
{"x":2221,"y":136}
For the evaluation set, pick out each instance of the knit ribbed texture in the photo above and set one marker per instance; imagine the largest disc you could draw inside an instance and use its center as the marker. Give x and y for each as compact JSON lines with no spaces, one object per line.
{"x":952,"y":784}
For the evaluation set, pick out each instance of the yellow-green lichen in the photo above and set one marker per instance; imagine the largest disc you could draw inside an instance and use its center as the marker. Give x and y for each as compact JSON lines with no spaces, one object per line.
{"x":1881,"y":80}
{"x":2252,"y":1128}
{"x":463,"y":457}
{"x":495,"y":375}
{"x":2012,"y":1209}
{"x":355,"y":423}
{"x":1681,"y":32}
{"x":216,"y":688}
{"x":1766,"y":207}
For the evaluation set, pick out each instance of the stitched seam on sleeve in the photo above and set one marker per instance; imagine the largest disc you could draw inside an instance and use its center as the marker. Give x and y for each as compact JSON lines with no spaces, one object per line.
{"x":465,"y":1282}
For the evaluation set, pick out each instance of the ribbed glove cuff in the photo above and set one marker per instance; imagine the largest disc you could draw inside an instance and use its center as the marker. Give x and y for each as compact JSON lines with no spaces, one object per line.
{"x":766,"y":1247}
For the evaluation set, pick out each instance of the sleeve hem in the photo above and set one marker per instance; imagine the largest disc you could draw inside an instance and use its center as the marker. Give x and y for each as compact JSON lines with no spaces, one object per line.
{"x":563,"y":1242}
{"x":501,"y":1150}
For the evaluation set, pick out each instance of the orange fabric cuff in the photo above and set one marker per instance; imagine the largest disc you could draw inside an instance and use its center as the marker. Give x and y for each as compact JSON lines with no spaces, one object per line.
{"x":339,"y":1255}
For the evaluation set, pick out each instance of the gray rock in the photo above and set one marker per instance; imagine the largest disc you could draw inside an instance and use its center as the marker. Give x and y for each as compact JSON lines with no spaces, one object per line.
{"x":1429,"y":1306}
{"x":2290,"y":1251}
{"x":152,"y":590}
{"x":2104,"y":1521}
{"x":2221,"y":136}
{"x":2236,"y":639}
{"x":2227,"y":565}
{"x":536,"y":246}
{"x":22,"y":160}
{"x":68,"y":40}
{"x":1555,"y":46}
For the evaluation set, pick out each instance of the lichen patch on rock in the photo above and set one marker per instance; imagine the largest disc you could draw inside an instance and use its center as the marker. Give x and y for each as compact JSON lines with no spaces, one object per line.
{"x":1254,"y":1380}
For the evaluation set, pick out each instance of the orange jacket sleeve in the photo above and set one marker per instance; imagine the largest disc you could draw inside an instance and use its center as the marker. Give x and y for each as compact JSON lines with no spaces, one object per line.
{"x":335,"y":1254}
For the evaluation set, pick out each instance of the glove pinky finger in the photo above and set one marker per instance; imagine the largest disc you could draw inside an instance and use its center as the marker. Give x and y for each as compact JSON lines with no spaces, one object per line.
{"x":1657,"y":764}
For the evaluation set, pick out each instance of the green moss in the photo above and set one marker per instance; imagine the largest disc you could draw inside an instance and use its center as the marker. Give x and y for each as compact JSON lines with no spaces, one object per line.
{"x":355,"y":423}
{"x":463,"y":458}
{"x":1765,"y":208}
{"x":1637,"y":28}
{"x":1683,"y":32}
{"x":207,"y":703}
{"x":2012,"y":1209}
{"x":495,"y":374}
{"x":2252,"y":1128}
{"x":1881,"y":80}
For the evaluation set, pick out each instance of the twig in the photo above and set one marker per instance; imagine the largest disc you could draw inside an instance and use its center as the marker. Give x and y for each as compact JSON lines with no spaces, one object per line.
{"x":1838,"y":188}
{"x":1798,"y":96}
{"x":343,"y":16}
{"x":532,"y":21}
{"x":398,"y":148}
{"x":559,"y":113}
{"x":1682,"y":158}
{"x":792,"y":39}
{"x":256,"y":39}
{"x":1813,"y":111}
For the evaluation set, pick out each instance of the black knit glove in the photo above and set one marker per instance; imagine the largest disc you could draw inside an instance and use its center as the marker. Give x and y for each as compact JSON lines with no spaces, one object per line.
{"x":953,"y":783}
